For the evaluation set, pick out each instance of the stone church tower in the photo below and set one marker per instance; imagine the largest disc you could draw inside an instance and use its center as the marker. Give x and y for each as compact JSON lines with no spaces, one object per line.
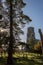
{"x":30,"y":37}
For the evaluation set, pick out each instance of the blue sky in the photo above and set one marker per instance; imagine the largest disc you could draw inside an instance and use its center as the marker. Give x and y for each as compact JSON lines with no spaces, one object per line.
{"x":34,"y":9}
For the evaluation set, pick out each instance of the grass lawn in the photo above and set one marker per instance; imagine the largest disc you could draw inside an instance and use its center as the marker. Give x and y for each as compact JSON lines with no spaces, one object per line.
{"x":24,"y":59}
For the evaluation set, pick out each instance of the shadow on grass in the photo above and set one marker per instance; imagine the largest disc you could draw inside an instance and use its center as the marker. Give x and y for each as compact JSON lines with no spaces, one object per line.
{"x":25,"y":61}
{"x":3,"y":61}
{"x":20,"y":61}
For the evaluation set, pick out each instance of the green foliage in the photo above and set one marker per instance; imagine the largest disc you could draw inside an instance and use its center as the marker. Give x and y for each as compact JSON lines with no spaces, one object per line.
{"x":18,"y":18}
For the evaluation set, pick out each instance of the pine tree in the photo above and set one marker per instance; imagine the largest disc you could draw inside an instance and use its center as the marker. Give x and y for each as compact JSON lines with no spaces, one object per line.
{"x":13,"y":19}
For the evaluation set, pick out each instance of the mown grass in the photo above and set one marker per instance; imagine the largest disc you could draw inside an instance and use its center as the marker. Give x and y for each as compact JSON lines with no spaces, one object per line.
{"x":24,"y":59}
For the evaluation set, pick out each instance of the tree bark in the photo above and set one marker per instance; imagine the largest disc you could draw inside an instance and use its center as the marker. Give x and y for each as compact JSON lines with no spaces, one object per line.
{"x":41,"y":36}
{"x":10,"y":49}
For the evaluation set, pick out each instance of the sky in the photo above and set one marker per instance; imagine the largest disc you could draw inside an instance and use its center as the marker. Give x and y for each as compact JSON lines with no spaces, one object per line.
{"x":34,"y":9}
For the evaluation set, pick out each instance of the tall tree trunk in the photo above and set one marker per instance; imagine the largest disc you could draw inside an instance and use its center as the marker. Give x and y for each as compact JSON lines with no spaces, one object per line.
{"x":41,"y":36}
{"x":10,"y":49}
{"x":42,"y":46}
